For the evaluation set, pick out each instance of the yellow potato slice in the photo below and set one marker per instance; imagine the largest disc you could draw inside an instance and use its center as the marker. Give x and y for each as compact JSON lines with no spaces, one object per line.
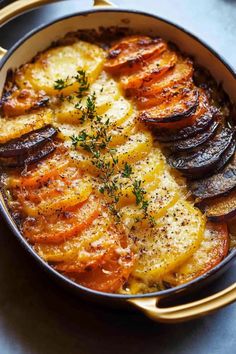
{"x":161,"y":194}
{"x":121,"y":133}
{"x":145,"y":170}
{"x":12,"y":128}
{"x":136,"y":148}
{"x":106,"y":91}
{"x":62,"y":63}
{"x":170,"y":243}
{"x":118,"y":112}
{"x":79,"y":247}
{"x":212,"y":249}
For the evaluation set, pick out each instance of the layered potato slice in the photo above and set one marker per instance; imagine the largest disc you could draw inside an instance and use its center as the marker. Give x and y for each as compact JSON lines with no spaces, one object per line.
{"x":45,"y":171}
{"x":62,"y":63}
{"x":19,"y":102}
{"x":62,"y":225}
{"x":145,"y":170}
{"x":12,"y":128}
{"x":150,"y":71}
{"x":181,"y":73}
{"x":122,"y":126}
{"x":99,"y":257}
{"x":104,"y":89}
{"x":58,"y":200}
{"x":136,"y":148}
{"x":96,"y":238}
{"x":128,"y":53}
{"x":175,"y":109}
{"x":212,"y":250}
{"x":161,"y":194}
{"x":167,"y":245}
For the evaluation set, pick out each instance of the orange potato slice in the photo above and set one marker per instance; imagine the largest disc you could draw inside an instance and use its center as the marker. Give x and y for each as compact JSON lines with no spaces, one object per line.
{"x":181,"y":72}
{"x":61,"y":226}
{"x":129,"y":52}
{"x":150,"y":71}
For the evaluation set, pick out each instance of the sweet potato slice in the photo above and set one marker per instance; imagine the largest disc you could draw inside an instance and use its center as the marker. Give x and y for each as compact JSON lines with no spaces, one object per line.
{"x":94,"y":241}
{"x":221,"y":208}
{"x":175,"y":109}
{"x":150,"y":71}
{"x":181,"y":72}
{"x":112,"y":272}
{"x":20,"y":102}
{"x":129,"y":52}
{"x":61,"y":226}
{"x":108,"y":278}
{"x":97,"y":252}
{"x":213,"y":248}
{"x":44,"y":171}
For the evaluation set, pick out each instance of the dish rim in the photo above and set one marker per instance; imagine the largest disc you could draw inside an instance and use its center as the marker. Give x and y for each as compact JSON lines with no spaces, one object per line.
{"x":5,"y":212}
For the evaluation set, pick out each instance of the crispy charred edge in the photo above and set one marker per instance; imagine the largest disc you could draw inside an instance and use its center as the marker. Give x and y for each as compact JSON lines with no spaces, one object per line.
{"x":195,"y":171}
{"x":196,"y":140}
{"x":220,"y":184}
{"x":33,"y":156}
{"x":26,"y":142}
{"x":227,"y":212}
{"x":103,"y":36}
{"x":174,"y":117}
{"x":202,"y":123}
{"x":227,"y":155}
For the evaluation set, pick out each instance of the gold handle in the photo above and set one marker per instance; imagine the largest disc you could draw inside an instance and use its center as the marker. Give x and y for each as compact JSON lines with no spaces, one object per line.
{"x":187,"y":311}
{"x":19,"y":6}
{"x":97,"y":3}
{"x":2,"y":52}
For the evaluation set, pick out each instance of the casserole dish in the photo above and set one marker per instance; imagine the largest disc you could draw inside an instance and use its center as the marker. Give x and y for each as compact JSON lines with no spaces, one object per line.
{"x":148,"y":24}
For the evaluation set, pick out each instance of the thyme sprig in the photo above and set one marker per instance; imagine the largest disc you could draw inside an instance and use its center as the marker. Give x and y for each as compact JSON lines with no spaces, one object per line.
{"x":81,"y":78}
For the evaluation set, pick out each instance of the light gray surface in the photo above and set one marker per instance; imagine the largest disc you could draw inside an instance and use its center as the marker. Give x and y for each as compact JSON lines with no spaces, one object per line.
{"x":38,"y":317}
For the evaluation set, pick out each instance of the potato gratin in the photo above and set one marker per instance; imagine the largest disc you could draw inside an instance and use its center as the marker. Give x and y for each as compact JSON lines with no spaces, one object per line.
{"x":90,"y":140}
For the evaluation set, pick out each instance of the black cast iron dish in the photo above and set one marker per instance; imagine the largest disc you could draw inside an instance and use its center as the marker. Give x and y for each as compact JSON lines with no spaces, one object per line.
{"x":104,"y":15}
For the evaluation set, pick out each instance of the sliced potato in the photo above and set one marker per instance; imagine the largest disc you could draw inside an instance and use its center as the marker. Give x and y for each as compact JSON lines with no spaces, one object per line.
{"x":161,"y":194}
{"x":150,"y":71}
{"x":120,"y":133}
{"x":61,"y":226}
{"x":129,"y":52}
{"x":136,"y":148}
{"x":12,"y":128}
{"x":43,"y":172}
{"x":212,"y":250}
{"x":182,"y":72}
{"x":88,"y":243}
{"x":106,"y":91}
{"x":145,"y":170}
{"x":170,"y":243}
{"x":69,"y":196}
{"x":20,"y":102}
{"x":62,"y":63}
{"x":174,"y":109}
